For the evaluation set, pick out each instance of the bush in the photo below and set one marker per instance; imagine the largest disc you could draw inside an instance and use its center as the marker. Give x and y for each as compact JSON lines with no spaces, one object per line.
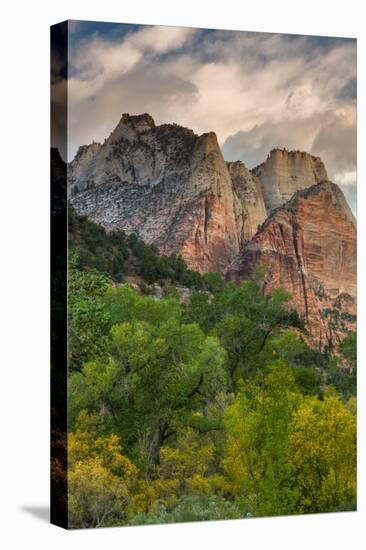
{"x":191,"y":508}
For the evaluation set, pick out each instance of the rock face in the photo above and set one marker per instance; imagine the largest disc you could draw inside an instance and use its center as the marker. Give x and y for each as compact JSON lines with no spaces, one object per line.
{"x":308,"y":247}
{"x":285,"y":172}
{"x":172,"y":187}
{"x":250,"y":210}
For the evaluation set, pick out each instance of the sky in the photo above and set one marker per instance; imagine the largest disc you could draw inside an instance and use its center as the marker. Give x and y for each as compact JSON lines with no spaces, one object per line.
{"x":257,"y":91}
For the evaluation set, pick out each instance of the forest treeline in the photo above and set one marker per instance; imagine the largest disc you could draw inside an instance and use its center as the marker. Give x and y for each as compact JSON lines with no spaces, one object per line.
{"x":118,"y":255}
{"x":209,"y":409}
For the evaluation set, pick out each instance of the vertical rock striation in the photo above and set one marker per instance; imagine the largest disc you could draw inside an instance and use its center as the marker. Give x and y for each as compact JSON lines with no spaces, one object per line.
{"x":250,"y":210}
{"x":285,"y":172}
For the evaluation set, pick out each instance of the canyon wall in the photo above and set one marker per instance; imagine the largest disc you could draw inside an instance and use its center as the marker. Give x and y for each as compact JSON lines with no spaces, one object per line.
{"x":308,"y":247}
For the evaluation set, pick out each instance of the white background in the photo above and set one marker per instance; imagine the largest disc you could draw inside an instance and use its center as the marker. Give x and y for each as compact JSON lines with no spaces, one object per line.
{"x":24,"y":288}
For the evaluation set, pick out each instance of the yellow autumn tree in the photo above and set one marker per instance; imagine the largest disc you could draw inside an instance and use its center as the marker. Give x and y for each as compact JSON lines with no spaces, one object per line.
{"x":182,"y":469}
{"x":323,"y":453}
{"x":100,"y":478}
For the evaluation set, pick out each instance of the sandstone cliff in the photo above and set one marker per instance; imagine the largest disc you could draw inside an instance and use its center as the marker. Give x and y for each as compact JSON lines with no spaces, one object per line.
{"x":285,"y":172}
{"x":250,"y":210}
{"x":172,"y":187}
{"x":308,"y":247}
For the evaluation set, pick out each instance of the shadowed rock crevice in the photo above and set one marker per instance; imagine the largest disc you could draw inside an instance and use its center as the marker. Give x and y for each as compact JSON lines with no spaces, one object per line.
{"x":300,"y":269}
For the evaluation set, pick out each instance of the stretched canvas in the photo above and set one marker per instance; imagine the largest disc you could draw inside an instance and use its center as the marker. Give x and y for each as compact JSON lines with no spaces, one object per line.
{"x":203,"y":219}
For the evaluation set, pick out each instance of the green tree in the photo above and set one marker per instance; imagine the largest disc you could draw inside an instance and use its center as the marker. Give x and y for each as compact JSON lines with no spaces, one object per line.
{"x":247,"y":321}
{"x":256,"y":456}
{"x":158,"y":378}
{"x":348,"y":350}
{"x":213,"y":282}
{"x":124,"y":304}
{"x":88,"y":321}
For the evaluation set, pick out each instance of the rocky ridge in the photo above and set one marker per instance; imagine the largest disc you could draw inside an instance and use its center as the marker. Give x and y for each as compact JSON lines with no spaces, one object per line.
{"x":285,"y":172}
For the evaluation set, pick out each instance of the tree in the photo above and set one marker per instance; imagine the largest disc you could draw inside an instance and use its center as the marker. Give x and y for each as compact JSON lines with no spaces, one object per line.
{"x":159,"y":377}
{"x":216,"y":401}
{"x":188,"y":461}
{"x":124,"y":304}
{"x":256,"y":455}
{"x":247,"y":321}
{"x":100,"y":478}
{"x":96,"y":496}
{"x":213,"y":282}
{"x":323,"y":453}
{"x":348,"y":350}
{"x":88,"y":321}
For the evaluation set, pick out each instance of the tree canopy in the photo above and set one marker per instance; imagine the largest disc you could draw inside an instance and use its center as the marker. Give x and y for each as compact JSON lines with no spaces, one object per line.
{"x":209,"y":409}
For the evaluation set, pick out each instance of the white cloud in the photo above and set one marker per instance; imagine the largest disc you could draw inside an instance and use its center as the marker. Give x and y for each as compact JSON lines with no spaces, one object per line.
{"x":96,"y":61}
{"x":346,"y":179}
{"x":161,"y":39}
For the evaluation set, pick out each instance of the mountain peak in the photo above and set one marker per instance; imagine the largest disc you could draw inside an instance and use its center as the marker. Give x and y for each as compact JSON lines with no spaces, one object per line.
{"x":173,"y":187}
{"x":130,"y":126}
{"x":285,"y":172}
{"x":288,"y":153}
{"x":138,"y":121}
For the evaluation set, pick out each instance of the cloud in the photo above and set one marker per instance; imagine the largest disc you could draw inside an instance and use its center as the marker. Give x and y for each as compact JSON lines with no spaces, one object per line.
{"x":252,"y":146}
{"x":132,"y":94}
{"x":336,"y":142}
{"x":330,"y":135}
{"x":95,"y":61}
{"x":255,"y":90}
{"x":161,"y":39}
{"x":111,"y":76}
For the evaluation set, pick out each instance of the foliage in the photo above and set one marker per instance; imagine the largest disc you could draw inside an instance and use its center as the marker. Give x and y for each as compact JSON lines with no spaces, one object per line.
{"x":342,"y":379}
{"x":100,"y":479}
{"x":96,"y":249}
{"x":88,"y":320}
{"x":245,"y":320}
{"x":323,"y":453}
{"x":211,"y":409}
{"x":117,"y":255}
{"x":256,"y":456}
{"x":289,"y":454}
{"x":190,"y":508}
{"x":348,"y":349}
{"x":154,"y":379}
